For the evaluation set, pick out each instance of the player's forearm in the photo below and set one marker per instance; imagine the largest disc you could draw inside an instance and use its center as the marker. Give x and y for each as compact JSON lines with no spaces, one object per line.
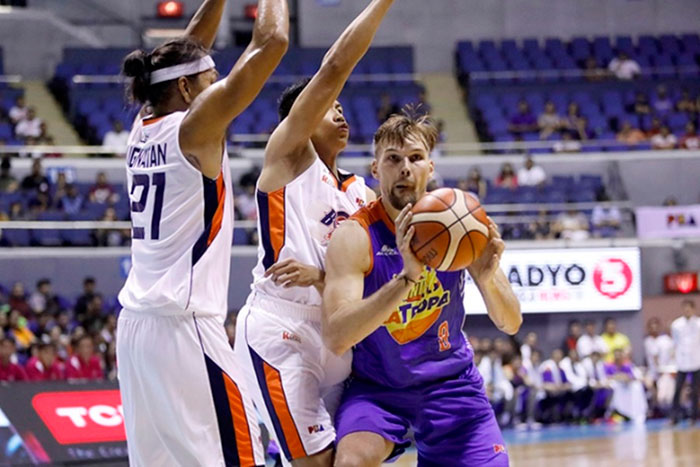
{"x":205,"y":22}
{"x":349,"y":323}
{"x":501,"y":303}
{"x":356,"y":39}
{"x":271,"y":28}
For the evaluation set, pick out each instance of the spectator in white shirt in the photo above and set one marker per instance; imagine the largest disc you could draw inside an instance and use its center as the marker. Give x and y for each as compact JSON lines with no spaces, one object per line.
{"x":658,"y":350}
{"x":30,"y":127}
{"x":664,"y":140}
{"x":528,"y":346}
{"x":18,"y":112}
{"x":116,"y":138}
{"x":686,"y":339}
{"x":589,"y":342}
{"x":531,"y":174}
{"x":624,"y":68}
{"x":549,"y":121}
{"x":606,"y":220}
{"x":576,"y":375}
{"x":567,"y":143}
{"x":572,"y":225}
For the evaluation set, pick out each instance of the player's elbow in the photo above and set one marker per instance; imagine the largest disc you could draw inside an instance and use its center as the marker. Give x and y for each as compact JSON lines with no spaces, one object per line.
{"x":273,"y":42}
{"x":513,"y":323}
{"x":333,"y":338}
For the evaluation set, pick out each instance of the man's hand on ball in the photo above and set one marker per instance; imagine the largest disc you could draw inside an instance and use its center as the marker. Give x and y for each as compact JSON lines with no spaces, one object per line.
{"x":412,"y":267}
{"x":484,"y":268}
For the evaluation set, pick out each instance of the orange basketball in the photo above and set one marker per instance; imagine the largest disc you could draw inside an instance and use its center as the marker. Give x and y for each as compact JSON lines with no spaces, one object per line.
{"x":451,"y":229}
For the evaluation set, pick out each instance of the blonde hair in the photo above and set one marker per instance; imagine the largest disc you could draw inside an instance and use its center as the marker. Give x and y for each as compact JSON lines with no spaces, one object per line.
{"x":397,"y":128}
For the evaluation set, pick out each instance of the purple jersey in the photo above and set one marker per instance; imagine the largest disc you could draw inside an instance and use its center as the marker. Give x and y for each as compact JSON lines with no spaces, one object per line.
{"x":422,"y":340}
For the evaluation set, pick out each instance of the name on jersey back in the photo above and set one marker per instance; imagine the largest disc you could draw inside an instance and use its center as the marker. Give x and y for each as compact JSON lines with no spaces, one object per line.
{"x":148,"y":156}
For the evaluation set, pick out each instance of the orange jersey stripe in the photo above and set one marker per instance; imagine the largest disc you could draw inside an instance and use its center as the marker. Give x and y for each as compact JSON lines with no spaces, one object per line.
{"x":279,"y":401}
{"x":347,"y":183}
{"x":219,"y":214}
{"x":276,"y":220}
{"x":240,"y":423}
{"x":149,"y":121}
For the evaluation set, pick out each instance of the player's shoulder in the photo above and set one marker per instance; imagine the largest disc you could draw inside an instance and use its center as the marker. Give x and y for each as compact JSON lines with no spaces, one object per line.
{"x":367,"y":215}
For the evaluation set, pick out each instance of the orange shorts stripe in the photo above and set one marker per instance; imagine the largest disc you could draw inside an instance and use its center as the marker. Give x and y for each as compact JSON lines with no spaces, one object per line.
{"x":244,"y":444}
{"x":279,"y":401}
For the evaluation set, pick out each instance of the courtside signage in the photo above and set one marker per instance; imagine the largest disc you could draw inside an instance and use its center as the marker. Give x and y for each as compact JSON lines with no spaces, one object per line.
{"x":80,"y":417}
{"x":569,"y":280}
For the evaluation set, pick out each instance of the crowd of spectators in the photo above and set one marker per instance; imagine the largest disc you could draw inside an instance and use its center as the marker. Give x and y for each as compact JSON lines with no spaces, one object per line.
{"x":602,"y":221}
{"x":28,"y":128}
{"x":591,"y":378}
{"x":47,"y":337}
{"x":658,"y":120}
{"x":39,"y":196}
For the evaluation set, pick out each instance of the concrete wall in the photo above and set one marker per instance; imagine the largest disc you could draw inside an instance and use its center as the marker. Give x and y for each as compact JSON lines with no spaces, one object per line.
{"x":434,"y":27}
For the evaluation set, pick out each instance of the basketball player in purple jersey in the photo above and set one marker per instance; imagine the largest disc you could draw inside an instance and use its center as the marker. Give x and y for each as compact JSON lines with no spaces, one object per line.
{"x":412,"y":367}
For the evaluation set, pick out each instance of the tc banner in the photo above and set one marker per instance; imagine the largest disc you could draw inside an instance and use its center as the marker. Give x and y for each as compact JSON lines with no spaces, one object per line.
{"x":668,"y":221}
{"x":60,"y":423}
{"x":567,"y":280}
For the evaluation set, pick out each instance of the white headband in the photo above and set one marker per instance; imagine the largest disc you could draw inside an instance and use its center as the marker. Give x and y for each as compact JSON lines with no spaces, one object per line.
{"x":184,"y":69}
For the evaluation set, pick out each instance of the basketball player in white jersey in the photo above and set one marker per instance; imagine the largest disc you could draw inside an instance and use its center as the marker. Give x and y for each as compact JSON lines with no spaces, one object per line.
{"x":301,"y":197}
{"x":185,"y":402}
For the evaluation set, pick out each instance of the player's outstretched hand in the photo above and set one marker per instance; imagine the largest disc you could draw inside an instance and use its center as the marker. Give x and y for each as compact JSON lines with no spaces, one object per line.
{"x":412,"y":267}
{"x":292,"y":273}
{"x":484,"y":268}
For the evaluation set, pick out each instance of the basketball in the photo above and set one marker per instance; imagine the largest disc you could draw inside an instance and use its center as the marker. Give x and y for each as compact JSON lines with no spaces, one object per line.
{"x":451,"y":229}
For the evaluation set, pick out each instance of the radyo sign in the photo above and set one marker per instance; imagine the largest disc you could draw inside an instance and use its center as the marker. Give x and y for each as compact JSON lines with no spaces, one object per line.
{"x":566,"y":280}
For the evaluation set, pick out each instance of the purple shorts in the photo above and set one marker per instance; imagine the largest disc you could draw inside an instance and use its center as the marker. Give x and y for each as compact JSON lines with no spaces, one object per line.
{"x":452,"y":420}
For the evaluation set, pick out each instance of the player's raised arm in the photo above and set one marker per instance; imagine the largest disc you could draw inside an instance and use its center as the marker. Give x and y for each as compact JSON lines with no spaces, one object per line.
{"x":291,"y":137}
{"x":347,"y":317}
{"x":205,"y":23}
{"x":203,"y":130}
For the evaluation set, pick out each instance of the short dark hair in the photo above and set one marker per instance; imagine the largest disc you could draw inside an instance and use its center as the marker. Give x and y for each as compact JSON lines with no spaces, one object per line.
{"x":41,"y":282}
{"x":689,"y":302}
{"x":88,"y":280}
{"x":139,"y":65}
{"x":289,"y":96}
{"x":397,"y":128}
{"x":608,"y":320}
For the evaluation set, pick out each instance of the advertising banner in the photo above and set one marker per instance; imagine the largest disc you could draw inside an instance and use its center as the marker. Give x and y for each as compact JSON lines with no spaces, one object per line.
{"x":569,"y":280}
{"x":61,"y":423}
{"x":668,"y":221}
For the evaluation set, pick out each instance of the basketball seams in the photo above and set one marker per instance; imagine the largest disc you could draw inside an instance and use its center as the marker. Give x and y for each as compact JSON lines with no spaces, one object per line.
{"x":445,"y":220}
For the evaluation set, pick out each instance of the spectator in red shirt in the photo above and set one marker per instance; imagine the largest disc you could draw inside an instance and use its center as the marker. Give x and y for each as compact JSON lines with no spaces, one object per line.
{"x":9,"y":371}
{"x":690,"y":140}
{"x":102,"y":192}
{"x":507,"y":177}
{"x":18,"y":300}
{"x":84,"y":364}
{"x":45,"y":366}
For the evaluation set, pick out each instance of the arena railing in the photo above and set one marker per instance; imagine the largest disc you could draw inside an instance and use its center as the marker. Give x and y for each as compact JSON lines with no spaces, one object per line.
{"x":609,"y":150}
{"x":594,"y":73}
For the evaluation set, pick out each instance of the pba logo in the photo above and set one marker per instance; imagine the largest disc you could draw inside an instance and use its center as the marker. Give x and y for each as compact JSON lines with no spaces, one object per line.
{"x":419,"y":310}
{"x":78,"y":417}
{"x":681,"y":220}
{"x":612,"y":277}
{"x":315,"y":429}
{"x":499,"y":448}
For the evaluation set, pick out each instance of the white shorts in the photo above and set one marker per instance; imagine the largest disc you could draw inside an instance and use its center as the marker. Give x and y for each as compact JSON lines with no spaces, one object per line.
{"x":185,"y":401}
{"x":295,"y":380}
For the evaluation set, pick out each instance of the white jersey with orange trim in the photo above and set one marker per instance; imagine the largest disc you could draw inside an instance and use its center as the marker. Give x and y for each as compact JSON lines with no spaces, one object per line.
{"x":182,"y":226}
{"x":297,"y":221}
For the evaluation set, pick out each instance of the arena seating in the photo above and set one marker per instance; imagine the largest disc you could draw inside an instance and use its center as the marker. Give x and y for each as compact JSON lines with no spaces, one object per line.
{"x":554,"y":71}
{"x":93,"y":106}
{"x":672,"y":56}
